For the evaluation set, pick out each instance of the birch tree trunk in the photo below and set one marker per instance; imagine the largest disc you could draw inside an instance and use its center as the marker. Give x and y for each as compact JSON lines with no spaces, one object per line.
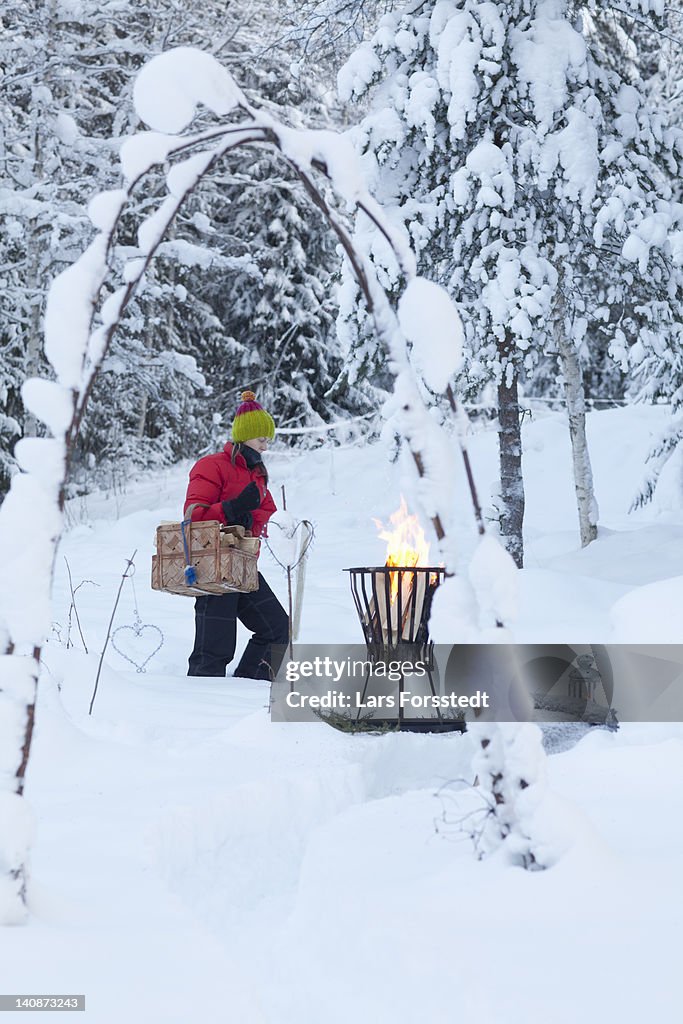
{"x":576,"y":411}
{"x":510,"y":461}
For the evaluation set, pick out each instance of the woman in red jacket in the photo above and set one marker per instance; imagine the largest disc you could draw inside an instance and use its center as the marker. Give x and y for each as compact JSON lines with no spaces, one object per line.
{"x":232,"y":487}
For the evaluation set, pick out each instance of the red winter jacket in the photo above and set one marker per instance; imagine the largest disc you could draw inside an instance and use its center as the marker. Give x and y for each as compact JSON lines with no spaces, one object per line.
{"x":215,"y":478}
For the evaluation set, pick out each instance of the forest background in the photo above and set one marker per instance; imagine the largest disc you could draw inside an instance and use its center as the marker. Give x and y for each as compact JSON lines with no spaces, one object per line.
{"x":567,"y":276}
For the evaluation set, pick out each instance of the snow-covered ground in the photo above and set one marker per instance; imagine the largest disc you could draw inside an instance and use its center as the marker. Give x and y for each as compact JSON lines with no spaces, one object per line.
{"x":194,"y":861}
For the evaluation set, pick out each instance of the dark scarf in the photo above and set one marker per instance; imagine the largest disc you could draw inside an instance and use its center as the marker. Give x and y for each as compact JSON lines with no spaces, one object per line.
{"x":251,"y":457}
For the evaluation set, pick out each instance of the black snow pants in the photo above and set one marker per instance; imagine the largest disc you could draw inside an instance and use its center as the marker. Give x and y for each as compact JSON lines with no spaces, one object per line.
{"x":216,"y":633}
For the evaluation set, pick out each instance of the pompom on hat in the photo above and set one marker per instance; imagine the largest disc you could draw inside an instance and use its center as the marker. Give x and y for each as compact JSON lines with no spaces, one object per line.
{"x":251,"y":420}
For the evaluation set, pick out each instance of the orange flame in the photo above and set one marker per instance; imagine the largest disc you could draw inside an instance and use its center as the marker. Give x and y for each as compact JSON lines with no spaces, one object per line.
{"x":406,"y":542}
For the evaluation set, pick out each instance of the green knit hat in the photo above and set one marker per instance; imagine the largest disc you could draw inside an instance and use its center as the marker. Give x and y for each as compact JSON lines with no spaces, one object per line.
{"x":251,"y":420}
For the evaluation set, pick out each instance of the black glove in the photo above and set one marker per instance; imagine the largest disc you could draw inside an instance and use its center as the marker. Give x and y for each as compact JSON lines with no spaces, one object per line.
{"x":246,"y":501}
{"x":246,"y":520}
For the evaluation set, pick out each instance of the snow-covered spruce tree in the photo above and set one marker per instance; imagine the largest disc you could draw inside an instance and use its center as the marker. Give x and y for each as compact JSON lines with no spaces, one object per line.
{"x":438,"y":143}
{"x":279,"y":306}
{"x":654,"y":364}
{"x":502,"y":138}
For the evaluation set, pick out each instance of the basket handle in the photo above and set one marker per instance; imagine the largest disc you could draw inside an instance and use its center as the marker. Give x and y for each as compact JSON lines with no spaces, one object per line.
{"x":189,"y":571}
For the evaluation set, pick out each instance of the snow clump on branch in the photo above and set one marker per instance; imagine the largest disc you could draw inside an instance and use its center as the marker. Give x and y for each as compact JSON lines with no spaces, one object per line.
{"x":429,"y":319}
{"x":171,"y":86}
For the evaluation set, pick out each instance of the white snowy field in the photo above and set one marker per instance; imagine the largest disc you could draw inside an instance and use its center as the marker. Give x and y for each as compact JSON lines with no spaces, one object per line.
{"x":194,"y":861}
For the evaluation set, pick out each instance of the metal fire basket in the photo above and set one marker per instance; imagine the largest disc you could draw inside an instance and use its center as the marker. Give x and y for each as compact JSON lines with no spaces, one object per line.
{"x":395,"y":625}
{"x":386,"y":623}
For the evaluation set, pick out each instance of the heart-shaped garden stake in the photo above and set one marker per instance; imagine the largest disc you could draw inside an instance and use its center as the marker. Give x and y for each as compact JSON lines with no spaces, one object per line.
{"x":137,"y":643}
{"x":297,"y":534}
{"x":305,"y":529}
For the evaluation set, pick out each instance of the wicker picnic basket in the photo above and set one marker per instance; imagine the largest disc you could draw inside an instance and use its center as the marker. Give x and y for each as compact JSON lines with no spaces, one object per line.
{"x":223,"y":557}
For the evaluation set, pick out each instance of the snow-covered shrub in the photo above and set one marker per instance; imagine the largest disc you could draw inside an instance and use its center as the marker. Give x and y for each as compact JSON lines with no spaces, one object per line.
{"x":510,"y":766}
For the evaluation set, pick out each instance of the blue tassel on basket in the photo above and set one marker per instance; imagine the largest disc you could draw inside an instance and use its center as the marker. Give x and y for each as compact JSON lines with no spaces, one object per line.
{"x":190,"y":571}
